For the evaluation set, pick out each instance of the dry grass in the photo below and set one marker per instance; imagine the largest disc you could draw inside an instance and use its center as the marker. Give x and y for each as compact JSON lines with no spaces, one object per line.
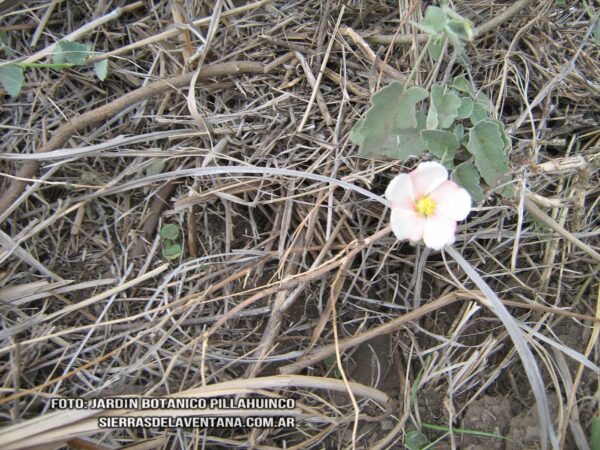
{"x":290,"y":284}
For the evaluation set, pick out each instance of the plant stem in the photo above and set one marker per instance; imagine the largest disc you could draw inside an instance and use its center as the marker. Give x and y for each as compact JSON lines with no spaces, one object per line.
{"x":44,"y":65}
{"x":413,"y":72}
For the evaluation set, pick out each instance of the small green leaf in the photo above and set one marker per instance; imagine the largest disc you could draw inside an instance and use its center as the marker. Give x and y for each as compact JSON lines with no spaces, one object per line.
{"x":101,"y":69}
{"x":71,"y":52}
{"x":461,"y":84}
{"x":172,"y":252}
{"x":415,"y":440}
{"x":463,"y":29}
{"x":446,"y":105}
{"x":434,"y":22}
{"x":435,"y":48}
{"x":12,"y":79}
{"x":169,"y":231}
{"x":465,"y":109}
{"x":595,"y":435}
{"x":442,"y":144}
{"x":486,"y":143}
{"x":467,"y":176}
{"x":391,"y":126}
{"x":596,"y":29}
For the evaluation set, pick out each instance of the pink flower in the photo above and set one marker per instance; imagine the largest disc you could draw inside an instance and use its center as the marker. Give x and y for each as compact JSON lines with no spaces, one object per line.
{"x":426,"y":205}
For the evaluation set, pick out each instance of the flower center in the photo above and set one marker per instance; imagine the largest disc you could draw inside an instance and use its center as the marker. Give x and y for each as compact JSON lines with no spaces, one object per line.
{"x":426,"y":206}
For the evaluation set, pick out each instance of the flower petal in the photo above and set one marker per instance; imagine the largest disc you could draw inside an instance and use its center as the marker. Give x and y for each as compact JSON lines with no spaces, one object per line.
{"x":452,"y":200}
{"x":407,"y":224}
{"x":439,"y":231}
{"x":400,"y":192}
{"x":426,"y":177}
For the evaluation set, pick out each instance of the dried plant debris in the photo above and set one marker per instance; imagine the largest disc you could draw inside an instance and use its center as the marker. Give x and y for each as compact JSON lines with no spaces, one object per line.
{"x":191,"y":208}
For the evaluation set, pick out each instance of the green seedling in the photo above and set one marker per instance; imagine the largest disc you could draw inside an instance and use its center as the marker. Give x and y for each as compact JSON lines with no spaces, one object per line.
{"x":455,"y":126}
{"x":442,"y":23}
{"x":331,"y":361}
{"x":66,"y":54}
{"x":171,"y":249}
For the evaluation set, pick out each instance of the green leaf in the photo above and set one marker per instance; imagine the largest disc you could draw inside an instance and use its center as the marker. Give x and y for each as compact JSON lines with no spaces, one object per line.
{"x":435,"y":48}
{"x":465,"y":109}
{"x":12,"y":79}
{"x":406,"y":116}
{"x":467,"y":176}
{"x":503,"y":133}
{"x":391,"y":126}
{"x":415,"y":440}
{"x":101,"y":69}
{"x":442,"y":144}
{"x":356,"y":134}
{"x":71,"y":52}
{"x":172,"y":251}
{"x":446,"y":105}
{"x":486,"y":143}
{"x":596,"y":29}
{"x":461,"y":84}
{"x":480,"y":112}
{"x":169,"y":231}
{"x":595,"y":436}
{"x":432,"y":121}
{"x":462,"y":29}
{"x":434,"y":22}
{"x":459,"y":132}
{"x":405,"y":143}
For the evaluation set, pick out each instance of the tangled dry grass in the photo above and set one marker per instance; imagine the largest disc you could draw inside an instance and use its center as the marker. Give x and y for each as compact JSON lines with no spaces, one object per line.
{"x":289,"y":286}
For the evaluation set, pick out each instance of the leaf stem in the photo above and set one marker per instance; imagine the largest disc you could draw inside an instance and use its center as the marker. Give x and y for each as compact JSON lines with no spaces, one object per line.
{"x":33,"y":65}
{"x":413,"y":72}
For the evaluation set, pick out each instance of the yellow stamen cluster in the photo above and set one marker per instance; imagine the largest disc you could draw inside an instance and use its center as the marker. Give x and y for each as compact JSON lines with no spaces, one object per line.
{"x":426,"y":206}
